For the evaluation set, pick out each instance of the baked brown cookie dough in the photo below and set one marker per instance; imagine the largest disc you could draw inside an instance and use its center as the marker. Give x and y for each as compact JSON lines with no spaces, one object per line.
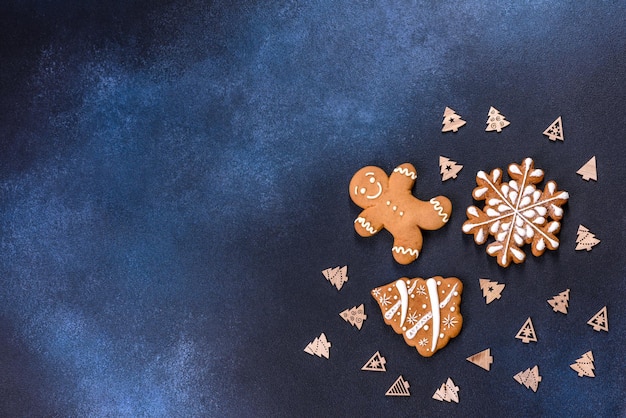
{"x":426,"y":312}
{"x":388,"y":204}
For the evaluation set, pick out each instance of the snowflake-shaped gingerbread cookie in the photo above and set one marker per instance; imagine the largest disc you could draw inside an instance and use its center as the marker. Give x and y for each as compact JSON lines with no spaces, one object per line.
{"x":516,"y":213}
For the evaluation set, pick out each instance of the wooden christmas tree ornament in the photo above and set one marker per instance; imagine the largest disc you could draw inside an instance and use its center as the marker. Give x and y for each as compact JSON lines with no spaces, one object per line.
{"x":496,"y":121}
{"x":375,"y":364}
{"x":555,"y":130}
{"x":529,"y":378}
{"x":451,"y":121}
{"x":588,"y":171}
{"x":491,"y":290}
{"x":336,"y":276}
{"x":399,"y":388}
{"x":560,"y":302}
{"x":584,"y":365}
{"x":482,"y":359}
{"x":320,"y":346}
{"x":585,"y":240}
{"x":448,"y":392}
{"x":354,"y":316}
{"x":600,"y":321}
{"x":448,"y":168}
{"x":527,"y":332}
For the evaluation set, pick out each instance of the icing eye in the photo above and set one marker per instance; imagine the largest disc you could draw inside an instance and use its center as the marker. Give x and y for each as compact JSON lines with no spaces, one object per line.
{"x":363,"y":190}
{"x":372,"y":180}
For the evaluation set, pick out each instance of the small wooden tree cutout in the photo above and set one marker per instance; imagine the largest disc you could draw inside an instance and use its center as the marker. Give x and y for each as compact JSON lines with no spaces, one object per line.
{"x":375,"y":364}
{"x":354,"y":316}
{"x":336,"y":276}
{"x":585,"y":240}
{"x":448,"y":392}
{"x":529,"y":378}
{"x":555,"y":130}
{"x":448,"y":168}
{"x":399,"y":388}
{"x":600,"y":321}
{"x":320,"y":346}
{"x":560,"y":302}
{"x":584,"y":365}
{"x":496,"y":121}
{"x":482,"y":359}
{"x":527,"y":332}
{"x":588,"y":171}
{"x":451,"y":121}
{"x":491,"y":290}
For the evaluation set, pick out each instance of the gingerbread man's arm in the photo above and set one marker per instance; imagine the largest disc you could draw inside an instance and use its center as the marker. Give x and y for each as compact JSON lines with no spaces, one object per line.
{"x":367,"y":224}
{"x":403,"y":177}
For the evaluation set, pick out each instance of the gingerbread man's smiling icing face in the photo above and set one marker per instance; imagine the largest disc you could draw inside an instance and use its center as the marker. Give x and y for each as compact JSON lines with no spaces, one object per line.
{"x":389,"y":204}
{"x":367,"y":185}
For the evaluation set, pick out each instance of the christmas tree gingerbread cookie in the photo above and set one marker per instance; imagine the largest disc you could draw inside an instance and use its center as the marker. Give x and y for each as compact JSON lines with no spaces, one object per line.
{"x":516,"y":212}
{"x":426,"y":312}
{"x":389,"y":204}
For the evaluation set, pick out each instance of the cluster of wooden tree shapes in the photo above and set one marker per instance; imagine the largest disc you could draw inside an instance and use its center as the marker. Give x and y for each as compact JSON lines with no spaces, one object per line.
{"x":448,"y":392}
{"x":452,"y":121}
{"x":355,"y":316}
{"x":585,"y":240}
{"x":529,"y":378}
{"x":320,"y":346}
{"x":399,"y":388}
{"x":560,"y":303}
{"x":496,"y":122}
{"x":448,"y":168}
{"x":337,"y":276}
{"x":584,"y":365}
{"x":589,"y":170}
{"x":492,"y":290}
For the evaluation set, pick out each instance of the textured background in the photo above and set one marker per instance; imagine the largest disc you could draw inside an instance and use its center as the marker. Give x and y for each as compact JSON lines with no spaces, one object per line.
{"x":174,"y":176}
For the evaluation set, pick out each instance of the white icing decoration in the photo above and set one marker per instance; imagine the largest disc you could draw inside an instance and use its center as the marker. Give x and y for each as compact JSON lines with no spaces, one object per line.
{"x":431,"y":284}
{"x":553,"y":227}
{"x":389,"y":314}
{"x":365,"y":224}
{"x":541,"y":244}
{"x":405,"y":171}
{"x":404,"y":299}
{"x":372,"y":179}
{"x":401,"y":250}
{"x":518,"y":254}
{"x":480,"y":236}
{"x":478,"y":193}
{"x":439,"y":209}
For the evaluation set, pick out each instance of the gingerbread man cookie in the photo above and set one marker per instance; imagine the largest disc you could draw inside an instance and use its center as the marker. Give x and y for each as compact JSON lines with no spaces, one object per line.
{"x":426,"y":312}
{"x":388,"y":203}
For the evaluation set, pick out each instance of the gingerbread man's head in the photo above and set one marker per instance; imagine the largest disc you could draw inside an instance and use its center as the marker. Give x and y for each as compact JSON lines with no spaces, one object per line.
{"x":367,"y":185}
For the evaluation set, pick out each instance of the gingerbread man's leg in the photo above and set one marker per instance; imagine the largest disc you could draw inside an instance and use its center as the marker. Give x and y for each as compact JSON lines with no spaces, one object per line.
{"x":407,"y":246}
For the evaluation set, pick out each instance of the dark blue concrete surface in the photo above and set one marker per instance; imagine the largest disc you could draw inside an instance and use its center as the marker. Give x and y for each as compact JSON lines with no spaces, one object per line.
{"x":173,"y":179}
